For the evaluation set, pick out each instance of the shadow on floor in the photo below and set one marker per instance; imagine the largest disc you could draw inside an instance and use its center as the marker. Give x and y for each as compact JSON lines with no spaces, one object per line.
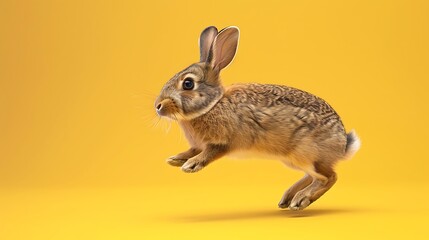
{"x":230,"y":216}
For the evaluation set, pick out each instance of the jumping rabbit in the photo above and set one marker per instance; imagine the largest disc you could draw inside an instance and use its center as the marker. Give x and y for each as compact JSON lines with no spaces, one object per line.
{"x":296,"y":127}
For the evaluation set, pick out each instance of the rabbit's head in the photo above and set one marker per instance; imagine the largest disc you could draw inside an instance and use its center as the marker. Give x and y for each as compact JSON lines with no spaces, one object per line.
{"x":195,"y":90}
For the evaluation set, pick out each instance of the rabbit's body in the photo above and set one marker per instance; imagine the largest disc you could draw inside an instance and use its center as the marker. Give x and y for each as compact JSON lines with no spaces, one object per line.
{"x":274,"y":120}
{"x":300,"y":129}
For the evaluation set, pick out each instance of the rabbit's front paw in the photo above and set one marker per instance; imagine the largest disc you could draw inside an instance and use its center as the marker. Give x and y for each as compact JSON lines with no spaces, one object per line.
{"x":174,"y":161}
{"x":193,"y":165}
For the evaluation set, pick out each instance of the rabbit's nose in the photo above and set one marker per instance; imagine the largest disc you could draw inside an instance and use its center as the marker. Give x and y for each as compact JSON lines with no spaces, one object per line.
{"x":158,"y":107}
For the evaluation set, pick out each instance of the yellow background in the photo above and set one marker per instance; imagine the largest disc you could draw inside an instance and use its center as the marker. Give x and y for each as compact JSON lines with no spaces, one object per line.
{"x":80,"y":157}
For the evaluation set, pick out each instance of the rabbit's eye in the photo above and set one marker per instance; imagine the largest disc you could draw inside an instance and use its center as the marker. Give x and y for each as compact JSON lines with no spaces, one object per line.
{"x":188,"y":84}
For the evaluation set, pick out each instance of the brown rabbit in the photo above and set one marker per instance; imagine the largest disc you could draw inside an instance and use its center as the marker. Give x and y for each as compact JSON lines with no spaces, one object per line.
{"x":298,"y":128}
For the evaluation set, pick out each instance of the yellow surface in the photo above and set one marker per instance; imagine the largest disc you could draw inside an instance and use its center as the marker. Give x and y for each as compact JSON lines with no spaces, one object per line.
{"x":212,"y":212}
{"x":80,"y":157}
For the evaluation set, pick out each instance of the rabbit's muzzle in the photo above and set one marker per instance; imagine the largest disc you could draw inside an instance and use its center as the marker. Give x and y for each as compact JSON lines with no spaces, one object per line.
{"x":166,"y":108}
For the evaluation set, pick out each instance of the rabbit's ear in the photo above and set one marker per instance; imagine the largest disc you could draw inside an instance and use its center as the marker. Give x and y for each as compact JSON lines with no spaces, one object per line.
{"x":206,"y":39}
{"x":224,"y":47}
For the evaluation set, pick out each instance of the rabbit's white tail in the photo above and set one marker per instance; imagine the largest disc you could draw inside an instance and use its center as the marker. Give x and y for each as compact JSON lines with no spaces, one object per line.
{"x":353,"y":144}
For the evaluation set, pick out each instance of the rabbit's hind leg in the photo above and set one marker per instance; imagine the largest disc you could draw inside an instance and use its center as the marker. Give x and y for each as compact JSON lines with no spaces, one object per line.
{"x":290,"y":193}
{"x":323,"y":178}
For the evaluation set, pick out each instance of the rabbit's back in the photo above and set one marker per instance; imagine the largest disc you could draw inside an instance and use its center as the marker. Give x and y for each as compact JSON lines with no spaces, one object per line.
{"x":279,"y":97}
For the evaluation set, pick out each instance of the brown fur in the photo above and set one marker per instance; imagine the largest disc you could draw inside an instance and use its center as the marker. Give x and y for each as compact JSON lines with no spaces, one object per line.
{"x":300,"y":129}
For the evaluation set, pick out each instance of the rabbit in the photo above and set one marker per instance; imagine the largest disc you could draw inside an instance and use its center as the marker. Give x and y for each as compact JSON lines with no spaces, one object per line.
{"x":291,"y":125}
